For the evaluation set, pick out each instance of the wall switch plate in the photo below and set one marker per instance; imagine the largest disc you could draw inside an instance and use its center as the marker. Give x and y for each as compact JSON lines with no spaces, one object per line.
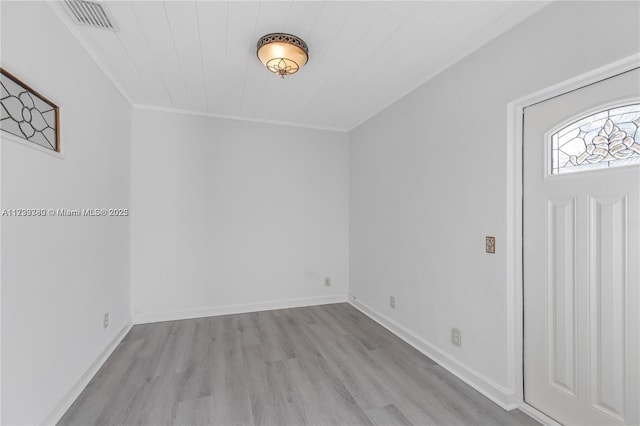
{"x":490,"y":243}
{"x":105,"y":321}
{"x":327,"y":282}
{"x":456,"y":337}
{"x":392,"y":302}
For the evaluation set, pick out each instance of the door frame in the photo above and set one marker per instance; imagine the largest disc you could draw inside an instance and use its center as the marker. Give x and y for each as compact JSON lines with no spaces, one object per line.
{"x":514,"y":240}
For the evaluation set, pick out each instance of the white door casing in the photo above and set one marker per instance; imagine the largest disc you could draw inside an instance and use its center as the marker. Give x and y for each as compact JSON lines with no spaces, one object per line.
{"x":581,"y":254}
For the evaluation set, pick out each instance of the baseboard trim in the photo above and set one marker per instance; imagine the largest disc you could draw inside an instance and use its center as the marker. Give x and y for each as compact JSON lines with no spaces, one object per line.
{"x":66,"y":399}
{"x":495,"y":392}
{"x":237,"y":309}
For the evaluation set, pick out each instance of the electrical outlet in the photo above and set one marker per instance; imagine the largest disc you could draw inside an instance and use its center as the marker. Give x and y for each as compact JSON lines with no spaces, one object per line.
{"x":456,"y":337}
{"x":490,"y":244}
{"x":392,"y":302}
{"x":105,"y":321}
{"x":327,"y":282}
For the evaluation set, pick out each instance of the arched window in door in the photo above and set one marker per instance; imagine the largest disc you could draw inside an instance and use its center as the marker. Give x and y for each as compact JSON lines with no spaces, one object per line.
{"x":609,"y":138}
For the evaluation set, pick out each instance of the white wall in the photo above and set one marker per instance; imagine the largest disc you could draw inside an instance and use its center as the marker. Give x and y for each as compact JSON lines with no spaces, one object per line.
{"x":60,"y":274}
{"x":234,"y":213}
{"x":429,"y":178}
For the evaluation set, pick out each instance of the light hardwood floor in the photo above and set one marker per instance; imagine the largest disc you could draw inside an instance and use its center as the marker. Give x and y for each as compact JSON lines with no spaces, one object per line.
{"x":321,"y":365}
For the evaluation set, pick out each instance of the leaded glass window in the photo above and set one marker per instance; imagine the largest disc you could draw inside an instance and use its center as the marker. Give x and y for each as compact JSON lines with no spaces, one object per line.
{"x":609,"y":138}
{"x":27,"y":114}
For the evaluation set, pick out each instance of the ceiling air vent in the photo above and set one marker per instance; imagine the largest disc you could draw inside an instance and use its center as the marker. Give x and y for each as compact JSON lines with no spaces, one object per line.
{"x":91,"y":14}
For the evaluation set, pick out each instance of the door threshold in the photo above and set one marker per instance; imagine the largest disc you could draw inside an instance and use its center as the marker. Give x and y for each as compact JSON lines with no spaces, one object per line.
{"x":538,"y":415}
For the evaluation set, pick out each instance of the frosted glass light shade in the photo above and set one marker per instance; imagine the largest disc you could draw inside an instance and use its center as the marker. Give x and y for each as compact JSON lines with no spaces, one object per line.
{"x":282,"y":54}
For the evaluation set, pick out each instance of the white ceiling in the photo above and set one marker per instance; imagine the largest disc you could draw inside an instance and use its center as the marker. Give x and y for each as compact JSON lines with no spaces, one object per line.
{"x":363,"y":55}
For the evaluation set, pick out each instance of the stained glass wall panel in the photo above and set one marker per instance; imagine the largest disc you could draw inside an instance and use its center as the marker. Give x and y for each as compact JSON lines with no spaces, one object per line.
{"x":26,"y":114}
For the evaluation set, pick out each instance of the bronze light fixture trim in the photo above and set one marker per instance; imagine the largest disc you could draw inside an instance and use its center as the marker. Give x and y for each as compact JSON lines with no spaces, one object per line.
{"x":282,"y":54}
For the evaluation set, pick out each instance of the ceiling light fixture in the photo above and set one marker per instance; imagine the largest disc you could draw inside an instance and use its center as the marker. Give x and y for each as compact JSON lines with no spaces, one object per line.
{"x":282,"y":54}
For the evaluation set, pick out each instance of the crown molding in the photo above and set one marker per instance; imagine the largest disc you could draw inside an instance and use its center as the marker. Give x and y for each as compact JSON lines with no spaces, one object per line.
{"x":237,"y":118}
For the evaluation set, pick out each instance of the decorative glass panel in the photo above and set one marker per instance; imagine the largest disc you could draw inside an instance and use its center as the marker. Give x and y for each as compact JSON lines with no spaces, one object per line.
{"x":27,"y":114}
{"x":608,"y":138}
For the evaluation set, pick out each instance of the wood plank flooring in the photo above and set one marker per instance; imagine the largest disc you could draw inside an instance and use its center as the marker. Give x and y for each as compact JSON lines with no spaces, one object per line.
{"x":320,"y":365}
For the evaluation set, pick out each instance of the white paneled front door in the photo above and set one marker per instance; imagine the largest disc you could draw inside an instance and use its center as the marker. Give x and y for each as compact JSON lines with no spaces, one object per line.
{"x":581,"y":223}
